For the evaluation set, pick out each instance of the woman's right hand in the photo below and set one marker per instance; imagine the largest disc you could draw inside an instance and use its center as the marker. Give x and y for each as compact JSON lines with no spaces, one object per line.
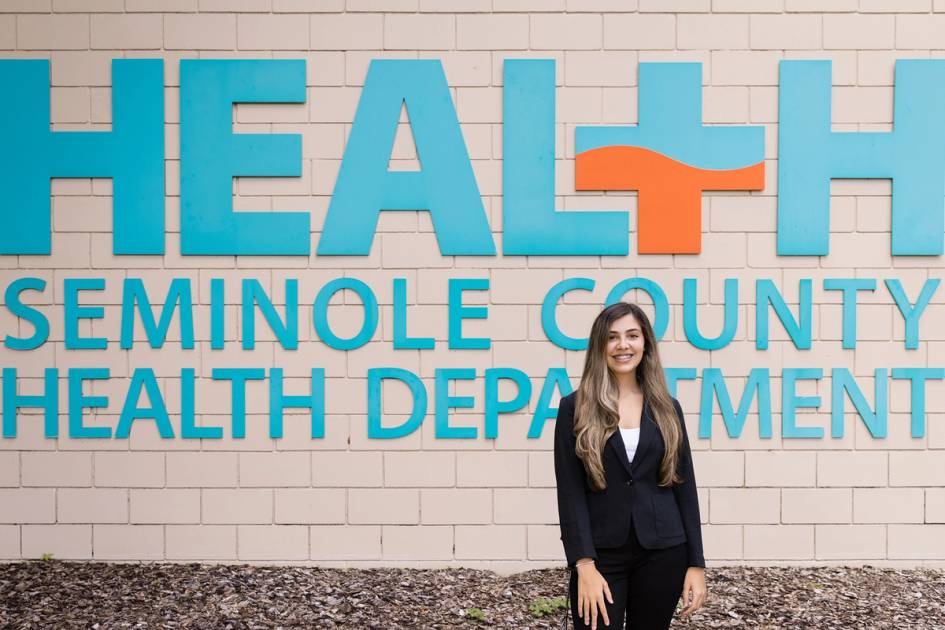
{"x":591,"y":589}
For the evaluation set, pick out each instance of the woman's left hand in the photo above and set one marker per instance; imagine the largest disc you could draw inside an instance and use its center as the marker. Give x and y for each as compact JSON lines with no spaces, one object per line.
{"x":694,"y":590}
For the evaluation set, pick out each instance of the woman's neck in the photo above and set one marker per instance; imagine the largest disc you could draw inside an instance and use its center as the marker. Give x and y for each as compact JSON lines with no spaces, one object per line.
{"x":627,"y":385}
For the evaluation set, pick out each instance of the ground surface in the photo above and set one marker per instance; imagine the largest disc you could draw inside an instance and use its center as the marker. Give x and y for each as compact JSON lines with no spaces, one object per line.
{"x":53,"y":594}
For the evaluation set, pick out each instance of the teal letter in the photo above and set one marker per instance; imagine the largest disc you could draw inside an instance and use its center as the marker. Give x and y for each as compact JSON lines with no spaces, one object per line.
{"x":494,"y":406}
{"x":556,"y":377}
{"x":911,"y":313}
{"x":131,"y":412}
{"x":790,"y":401}
{"x":131,"y":154}
{"x":315,"y":402}
{"x":810,"y":155}
{"x":211,"y":155}
{"x":48,"y":400}
{"x":178,"y":294}
{"x":849,"y":286}
{"x":713,"y":386}
{"x":842,"y":381}
{"x":321,"y":314}
{"x":549,"y":322}
{"x":401,"y":340}
{"x":74,"y":312}
{"x":188,"y":427}
{"x":530,"y":223}
{"x":917,"y":377}
{"x":288,"y":332}
{"x":674,"y":375}
{"x":691,"y":327}
{"x":78,"y":401}
{"x":444,"y":402}
{"x":216,"y":313}
{"x":458,"y":312}
{"x":11,"y":297}
{"x":445,"y":185}
{"x":238,"y":376}
{"x":800,"y":331}
{"x":375,"y":377}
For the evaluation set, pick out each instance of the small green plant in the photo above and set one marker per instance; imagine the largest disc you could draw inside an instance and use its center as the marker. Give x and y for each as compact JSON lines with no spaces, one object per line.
{"x":547,"y":606}
{"x":475,"y":613}
{"x":46,"y":557}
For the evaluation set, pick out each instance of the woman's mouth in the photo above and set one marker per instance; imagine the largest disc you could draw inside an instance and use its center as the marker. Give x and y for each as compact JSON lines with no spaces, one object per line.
{"x":623,"y":358}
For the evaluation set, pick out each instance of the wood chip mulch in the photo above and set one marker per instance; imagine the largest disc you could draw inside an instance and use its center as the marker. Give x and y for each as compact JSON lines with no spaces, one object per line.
{"x":55,"y":594}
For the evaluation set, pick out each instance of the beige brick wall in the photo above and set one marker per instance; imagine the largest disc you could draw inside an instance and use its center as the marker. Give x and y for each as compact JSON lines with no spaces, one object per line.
{"x":348,"y":500}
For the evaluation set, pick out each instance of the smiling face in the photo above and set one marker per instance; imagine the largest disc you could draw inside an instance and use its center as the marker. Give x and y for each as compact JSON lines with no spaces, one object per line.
{"x":624,"y":345}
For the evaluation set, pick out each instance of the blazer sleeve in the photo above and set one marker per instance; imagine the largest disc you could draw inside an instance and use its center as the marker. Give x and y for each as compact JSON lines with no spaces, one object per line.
{"x":687,"y":497}
{"x":570,"y":477}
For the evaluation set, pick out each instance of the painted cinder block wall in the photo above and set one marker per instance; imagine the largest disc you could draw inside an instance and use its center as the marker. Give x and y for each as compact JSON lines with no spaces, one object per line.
{"x":348,"y":500}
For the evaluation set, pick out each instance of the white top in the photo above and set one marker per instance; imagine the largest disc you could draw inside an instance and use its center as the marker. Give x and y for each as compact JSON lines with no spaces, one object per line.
{"x":631,"y":437}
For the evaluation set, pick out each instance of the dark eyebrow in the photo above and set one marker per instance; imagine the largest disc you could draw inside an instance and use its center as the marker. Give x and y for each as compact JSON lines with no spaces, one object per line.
{"x":610,"y":332}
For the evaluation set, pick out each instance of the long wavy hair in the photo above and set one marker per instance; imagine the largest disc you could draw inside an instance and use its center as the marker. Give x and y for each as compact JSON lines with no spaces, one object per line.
{"x":596,"y":415}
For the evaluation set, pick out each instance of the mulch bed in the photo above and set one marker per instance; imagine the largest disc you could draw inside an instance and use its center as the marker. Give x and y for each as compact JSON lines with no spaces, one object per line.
{"x":55,"y":594}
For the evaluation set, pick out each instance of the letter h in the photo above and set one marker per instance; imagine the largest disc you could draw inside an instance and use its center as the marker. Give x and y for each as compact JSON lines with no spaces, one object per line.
{"x":912,"y":155}
{"x":131,"y":154}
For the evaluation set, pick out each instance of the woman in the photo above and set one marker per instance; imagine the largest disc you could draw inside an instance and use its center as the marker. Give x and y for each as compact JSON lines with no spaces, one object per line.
{"x":627,"y":500}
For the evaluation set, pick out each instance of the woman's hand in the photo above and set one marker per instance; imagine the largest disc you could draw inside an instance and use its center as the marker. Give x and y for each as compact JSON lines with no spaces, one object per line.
{"x":694,"y":590}
{"x":591,"y":589}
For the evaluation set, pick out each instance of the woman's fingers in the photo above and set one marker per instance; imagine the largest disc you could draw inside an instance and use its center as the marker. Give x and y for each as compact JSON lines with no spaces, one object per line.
{"x":603,"y":611}
{"x":692,"y":601}
{"x":592,"y":600}
{"x":701,"y":599}
{"x":686,"y":601}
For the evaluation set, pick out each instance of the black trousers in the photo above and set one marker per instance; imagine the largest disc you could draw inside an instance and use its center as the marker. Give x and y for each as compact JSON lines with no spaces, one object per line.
{"x":646,"y":585}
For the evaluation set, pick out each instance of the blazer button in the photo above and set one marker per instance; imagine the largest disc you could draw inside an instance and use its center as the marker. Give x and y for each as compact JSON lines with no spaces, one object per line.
{"x":628,"y":482}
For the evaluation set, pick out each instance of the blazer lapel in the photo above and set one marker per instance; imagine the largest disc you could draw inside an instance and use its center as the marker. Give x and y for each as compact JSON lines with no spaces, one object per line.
{"x":648,"y":431}
{"x":647,"y":426}
{"x":615,"y":441}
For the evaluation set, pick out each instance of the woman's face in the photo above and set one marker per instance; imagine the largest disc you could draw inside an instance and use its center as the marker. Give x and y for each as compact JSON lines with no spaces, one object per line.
{"x":624,"y":345}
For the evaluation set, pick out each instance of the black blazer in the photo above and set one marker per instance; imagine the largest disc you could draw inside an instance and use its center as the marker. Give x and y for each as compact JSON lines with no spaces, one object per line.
{"x":662,"y":517}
